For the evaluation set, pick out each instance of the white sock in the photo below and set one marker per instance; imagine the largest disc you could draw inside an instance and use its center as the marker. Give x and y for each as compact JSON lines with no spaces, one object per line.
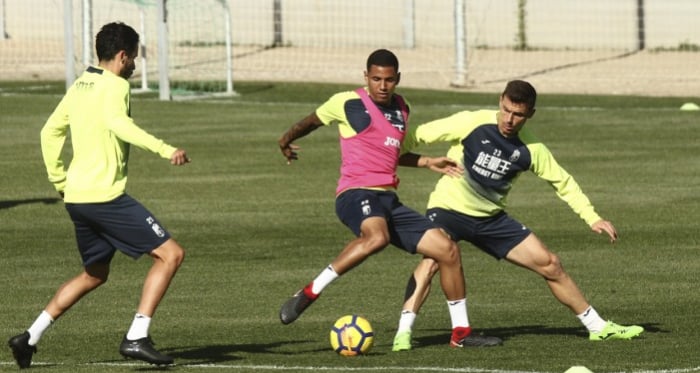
{"x":406,"y":321}
{"x":323,"y":279}
{"x":139,"y":327}
{"x":591,"y":320}
{"x":458,"y":313}
{"x":39,"y":327}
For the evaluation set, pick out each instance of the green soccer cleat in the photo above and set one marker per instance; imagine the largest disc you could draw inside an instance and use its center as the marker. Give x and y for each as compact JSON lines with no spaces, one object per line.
{"x":402,"y":341}
{"x":614,"y":331}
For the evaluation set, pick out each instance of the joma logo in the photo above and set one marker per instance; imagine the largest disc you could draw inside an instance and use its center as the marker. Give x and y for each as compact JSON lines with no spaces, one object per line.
{"x":390,"y":141}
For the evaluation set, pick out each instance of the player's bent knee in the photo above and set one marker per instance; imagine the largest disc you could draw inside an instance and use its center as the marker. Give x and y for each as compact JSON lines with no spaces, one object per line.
{"x":374,"y":244}
{"x":553,"y":270}
{"x":170,"y":252}
{"x":96,"y":274}
{"x":452,"y":252}
{"x":438,"y":247}
{"x":94,"y":280}
{"x":456,"y":258}
{"x":449,"y":256}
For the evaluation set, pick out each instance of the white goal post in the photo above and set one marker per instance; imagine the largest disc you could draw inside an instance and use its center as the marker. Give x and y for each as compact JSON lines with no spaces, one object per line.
{"x":151,"y":15}
{"x":164,"y":57}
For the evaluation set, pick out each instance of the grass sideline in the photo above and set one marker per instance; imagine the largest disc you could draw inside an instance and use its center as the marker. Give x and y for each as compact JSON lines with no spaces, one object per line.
{"x":256,"y":230}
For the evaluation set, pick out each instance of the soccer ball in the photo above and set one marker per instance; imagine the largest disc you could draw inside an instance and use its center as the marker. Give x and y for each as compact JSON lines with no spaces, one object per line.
{"x":352,"y":335}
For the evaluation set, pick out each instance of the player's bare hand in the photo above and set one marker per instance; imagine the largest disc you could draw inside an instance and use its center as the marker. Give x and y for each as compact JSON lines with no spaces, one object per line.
{"x":289,"y":151}
{"x":179,"y":157}
{"x":445,"y":166}
{"x":604,"y":226}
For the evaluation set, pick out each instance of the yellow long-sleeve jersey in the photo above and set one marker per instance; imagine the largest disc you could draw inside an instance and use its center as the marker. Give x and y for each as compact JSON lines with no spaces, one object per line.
{"x":492,"y":165}
{"x":96,"y":111}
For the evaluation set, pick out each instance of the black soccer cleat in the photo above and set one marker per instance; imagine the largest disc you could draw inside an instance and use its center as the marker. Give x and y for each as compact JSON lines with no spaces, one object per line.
{"x":142,"y":349}
{"x":21,"y":349}
{"x":292,"y":308}
{"x":463,"y":337}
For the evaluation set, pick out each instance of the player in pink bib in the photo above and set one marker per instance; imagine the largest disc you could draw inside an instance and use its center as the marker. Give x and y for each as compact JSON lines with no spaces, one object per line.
{"x":370,"y":158}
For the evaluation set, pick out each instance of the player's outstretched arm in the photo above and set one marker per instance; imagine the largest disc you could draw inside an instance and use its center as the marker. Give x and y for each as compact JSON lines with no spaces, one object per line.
{"x":298,"y":130}
{"x":604,"y":226}
{"x":444,"y":165}
{"x":441,"y":165}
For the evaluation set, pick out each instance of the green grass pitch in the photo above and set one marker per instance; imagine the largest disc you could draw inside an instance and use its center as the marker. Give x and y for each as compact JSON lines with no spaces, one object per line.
{"x":256,"y":230}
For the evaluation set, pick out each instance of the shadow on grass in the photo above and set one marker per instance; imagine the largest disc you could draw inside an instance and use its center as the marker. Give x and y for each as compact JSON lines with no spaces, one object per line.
{"x":507,"y":333}
{"x":205,"y":355}
{"x":13,"y":203}
{"x":154,"y":368}
{"x":208,"y":355}
{"x":220,"y":353}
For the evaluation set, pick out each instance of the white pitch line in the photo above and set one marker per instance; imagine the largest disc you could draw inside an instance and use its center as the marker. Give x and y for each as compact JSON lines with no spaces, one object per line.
{"x":340,"y":369}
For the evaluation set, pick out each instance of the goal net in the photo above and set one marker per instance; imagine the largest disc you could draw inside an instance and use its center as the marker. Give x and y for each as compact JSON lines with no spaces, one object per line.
{"x":35,"y":45}
{"x":594,"y":46}
{"x":647,"y":47}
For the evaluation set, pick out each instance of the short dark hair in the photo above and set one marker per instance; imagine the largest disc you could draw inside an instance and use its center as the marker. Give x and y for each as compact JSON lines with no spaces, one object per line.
{"x":383,"y":57}
{"x":521,"y":92}
{"x":114,"y":37}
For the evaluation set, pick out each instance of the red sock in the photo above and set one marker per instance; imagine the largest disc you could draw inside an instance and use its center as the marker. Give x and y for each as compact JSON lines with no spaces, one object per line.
{"x":310,"y":294}
{"x":461,"y":332}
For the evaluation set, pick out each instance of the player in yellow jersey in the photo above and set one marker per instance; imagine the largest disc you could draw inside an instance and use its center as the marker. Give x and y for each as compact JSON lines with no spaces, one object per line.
{"x":96,"y":112}
{"x":494,"y":148}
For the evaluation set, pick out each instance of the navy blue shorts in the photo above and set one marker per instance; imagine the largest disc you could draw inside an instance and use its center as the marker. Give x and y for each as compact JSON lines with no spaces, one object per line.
{"x":121,"y":224}
{"x":495,"y":235}
{"x":406,"y":226}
